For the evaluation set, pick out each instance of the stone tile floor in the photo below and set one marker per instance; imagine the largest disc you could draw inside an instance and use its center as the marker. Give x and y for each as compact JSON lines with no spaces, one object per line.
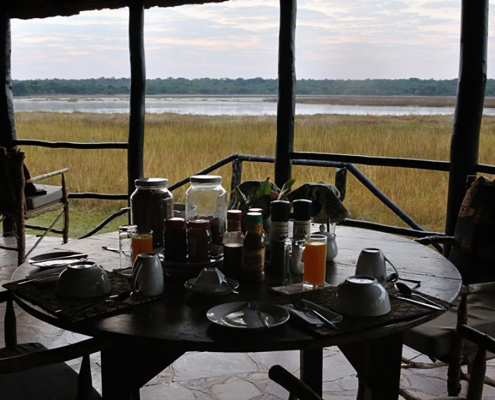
{"x":225,"y":376}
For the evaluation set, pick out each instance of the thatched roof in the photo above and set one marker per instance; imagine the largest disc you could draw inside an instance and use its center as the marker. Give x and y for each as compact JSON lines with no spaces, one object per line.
{"x":28,"y":9}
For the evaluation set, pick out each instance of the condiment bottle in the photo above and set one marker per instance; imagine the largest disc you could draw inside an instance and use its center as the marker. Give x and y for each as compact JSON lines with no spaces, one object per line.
{"x":207,"y":199}
{"x":253,"y":260}
{"x":233,"y":244}
{"x":279,"y":232}
{"x":301,"y":228}
{"x":175,"y":240}
{"x":151,"y":204}
{"x":199,"y":240}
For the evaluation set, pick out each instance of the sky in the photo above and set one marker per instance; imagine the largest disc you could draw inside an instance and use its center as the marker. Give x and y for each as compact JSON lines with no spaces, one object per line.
{"x":335,"y":39}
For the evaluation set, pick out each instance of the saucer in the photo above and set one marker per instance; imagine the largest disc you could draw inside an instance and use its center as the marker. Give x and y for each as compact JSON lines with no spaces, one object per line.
{"x":208,"y":289}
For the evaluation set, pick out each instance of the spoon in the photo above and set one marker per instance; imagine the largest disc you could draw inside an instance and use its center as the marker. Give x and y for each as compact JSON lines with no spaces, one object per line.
{"x":394,"y":277}
{"x":406,"y":291}
{"x":82,"y":308}
{"x":224,"y":280}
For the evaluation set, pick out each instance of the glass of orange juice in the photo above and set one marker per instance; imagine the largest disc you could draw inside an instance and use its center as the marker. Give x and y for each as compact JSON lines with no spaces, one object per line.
{"x":315,"y":259}
{"x":142,"y":242}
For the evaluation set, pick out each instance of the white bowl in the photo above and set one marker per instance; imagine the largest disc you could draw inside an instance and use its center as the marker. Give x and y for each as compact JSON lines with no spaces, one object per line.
{"x":83,"y":280}
{"x":361,"y":296}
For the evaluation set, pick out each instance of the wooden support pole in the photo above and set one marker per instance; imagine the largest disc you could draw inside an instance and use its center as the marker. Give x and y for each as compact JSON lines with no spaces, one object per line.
{"x":137,"y":96}
{"x":286,"y":91}
{"x":7,"y":130}
{"x":469,"y":105}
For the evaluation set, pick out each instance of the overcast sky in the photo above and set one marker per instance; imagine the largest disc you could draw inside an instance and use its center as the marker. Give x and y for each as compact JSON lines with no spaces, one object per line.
{"x":335,"y":39}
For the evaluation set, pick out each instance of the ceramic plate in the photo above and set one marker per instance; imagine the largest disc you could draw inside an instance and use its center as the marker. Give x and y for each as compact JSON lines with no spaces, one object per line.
{"x":209,"y":289}
{"x":56,"y":259}
{"x":238,"y":315}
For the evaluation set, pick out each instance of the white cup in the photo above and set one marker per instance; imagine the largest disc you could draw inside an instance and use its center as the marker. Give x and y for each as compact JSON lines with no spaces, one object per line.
{"x":147,"y":275}
{"x":371,"y":262}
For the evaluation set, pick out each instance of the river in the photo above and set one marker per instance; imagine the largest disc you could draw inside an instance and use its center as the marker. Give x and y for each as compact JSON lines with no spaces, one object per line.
{"x":214,"y":106}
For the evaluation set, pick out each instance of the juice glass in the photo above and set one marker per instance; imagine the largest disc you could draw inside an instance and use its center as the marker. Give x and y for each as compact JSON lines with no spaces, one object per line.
{"x":314,"y":258}
{"x":142,"y":242}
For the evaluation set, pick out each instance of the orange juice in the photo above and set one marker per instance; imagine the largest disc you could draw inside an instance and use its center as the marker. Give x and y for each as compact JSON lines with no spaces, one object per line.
{"x":141,"y":243}
{"x":315,"y":257}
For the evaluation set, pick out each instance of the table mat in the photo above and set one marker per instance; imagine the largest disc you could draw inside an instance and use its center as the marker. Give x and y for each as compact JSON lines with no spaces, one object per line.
{"x":43,"y":295}
{"x":401,"y":311}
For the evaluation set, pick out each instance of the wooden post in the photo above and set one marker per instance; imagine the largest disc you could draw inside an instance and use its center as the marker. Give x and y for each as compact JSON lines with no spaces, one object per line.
{"x":469,"y":105}
{"x":138,"y":88}
{"x":286,"y":92}
{"x":7,"y":130}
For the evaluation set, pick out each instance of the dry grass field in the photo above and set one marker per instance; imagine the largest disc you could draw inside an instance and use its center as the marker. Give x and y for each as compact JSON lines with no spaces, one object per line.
{"x":177,"y":146}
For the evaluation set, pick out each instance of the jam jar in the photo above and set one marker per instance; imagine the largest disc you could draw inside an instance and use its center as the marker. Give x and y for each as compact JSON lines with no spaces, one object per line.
{"x":199,"y":240}
{"x":151,"y":204}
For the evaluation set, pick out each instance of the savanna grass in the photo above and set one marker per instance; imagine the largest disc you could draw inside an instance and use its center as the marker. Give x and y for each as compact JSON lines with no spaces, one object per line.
{"x":177,"y":146}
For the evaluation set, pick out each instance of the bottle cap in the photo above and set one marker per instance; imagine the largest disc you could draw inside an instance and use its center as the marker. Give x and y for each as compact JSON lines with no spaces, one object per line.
{"x":280,"y":210}
{"x":254,"y":218}
{"x":151,"y":182}
{"x":302,"y":209}
{"x":234,"y":215}
{"x":206,"y":179}
{"x":199,"y":223}
{"x":175,"y":222}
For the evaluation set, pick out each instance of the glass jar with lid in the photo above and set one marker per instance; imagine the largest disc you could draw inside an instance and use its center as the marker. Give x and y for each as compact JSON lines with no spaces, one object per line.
{"x":207,"y":199}
{"x":151,"y":204}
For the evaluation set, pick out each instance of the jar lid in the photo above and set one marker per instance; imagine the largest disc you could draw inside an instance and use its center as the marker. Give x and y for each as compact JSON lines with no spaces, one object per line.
{"x":280,"y":210}
{"x":206,"y":179}
{"x":199,"y":223}
{"x":175,"y":222}
{"x":234,"y":215}
{"x":302,"y":209}
{"x":151,"y":182}
{"x":254,"y":218}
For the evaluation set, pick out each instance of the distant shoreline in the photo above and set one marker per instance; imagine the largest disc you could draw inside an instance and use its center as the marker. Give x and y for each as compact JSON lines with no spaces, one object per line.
{"x":355,"y":100}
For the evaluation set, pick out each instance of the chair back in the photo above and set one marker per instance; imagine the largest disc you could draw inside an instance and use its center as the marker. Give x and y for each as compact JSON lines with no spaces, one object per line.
{"x":12,"y":180}
{"x":473,"y":251}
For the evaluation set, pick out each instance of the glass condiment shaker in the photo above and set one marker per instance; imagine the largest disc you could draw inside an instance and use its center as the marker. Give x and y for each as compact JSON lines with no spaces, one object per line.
{"x":207,"y":199}
{"x":151,"y":204}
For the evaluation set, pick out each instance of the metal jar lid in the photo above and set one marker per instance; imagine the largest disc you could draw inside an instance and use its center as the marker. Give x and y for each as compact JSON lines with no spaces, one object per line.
{"x":151,"y":182}
{"x":206,"y":179}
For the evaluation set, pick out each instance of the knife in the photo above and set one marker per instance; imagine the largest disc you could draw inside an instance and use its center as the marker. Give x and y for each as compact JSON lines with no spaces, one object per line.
{"x":254,"y":306}
{"x":420,"y":303}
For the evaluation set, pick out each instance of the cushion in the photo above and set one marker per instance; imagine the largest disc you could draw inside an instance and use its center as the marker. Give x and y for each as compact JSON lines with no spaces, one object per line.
{"x":435,"y":338}
{"x":51,"y":382}
{"x":53,"y":193}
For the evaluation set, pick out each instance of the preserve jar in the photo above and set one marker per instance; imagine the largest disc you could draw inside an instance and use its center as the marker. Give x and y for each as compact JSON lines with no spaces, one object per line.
{"x":175,"y":240}
{"x":151,"y":204}
{"x":207,"y":199}
{"x":199,"y":240}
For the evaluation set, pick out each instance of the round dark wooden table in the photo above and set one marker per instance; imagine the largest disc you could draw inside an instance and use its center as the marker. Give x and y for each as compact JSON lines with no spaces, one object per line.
{"x":151,"y":336}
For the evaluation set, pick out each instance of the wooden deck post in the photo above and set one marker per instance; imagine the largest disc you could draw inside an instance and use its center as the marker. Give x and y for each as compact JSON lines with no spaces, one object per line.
{"x":469,"y":105}
{"x":286,"y":91}
{"x":7,"y":125}
{"x":137,"y":96}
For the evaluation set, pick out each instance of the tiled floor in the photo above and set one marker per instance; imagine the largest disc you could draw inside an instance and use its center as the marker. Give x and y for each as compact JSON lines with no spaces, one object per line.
{"x":237,"y":376}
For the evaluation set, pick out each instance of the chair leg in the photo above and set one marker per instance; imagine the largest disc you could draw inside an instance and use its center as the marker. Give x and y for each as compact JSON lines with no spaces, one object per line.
{"x":66,"y":223}
{"x":20,"y":232}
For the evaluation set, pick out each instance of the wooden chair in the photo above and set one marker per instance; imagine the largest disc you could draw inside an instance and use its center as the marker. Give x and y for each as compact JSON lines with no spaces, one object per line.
{"x":20,"y":200}
{"x":484,"y":343}
{"x":31,"y":371}
{"x":473,"y":253}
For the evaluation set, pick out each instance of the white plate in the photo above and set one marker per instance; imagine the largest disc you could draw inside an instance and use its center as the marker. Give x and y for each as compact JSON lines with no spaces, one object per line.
{"x":239,"y":315}
{"x":209,"y":289}
{"x":47,"y":260}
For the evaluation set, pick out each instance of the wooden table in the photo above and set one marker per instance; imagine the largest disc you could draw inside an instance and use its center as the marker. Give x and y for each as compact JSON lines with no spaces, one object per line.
{"x":151,"y":336}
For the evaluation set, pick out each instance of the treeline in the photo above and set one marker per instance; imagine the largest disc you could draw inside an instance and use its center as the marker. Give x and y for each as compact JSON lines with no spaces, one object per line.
{"x":239,"y":86}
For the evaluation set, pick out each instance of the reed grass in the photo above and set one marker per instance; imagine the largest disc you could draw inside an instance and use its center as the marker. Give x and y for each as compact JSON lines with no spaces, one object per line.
{"x":177,"y":146}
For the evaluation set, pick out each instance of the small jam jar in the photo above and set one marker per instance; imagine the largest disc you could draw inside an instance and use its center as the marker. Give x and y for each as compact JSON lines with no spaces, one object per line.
{"x":199,"y":240}
{"x":175,"y":240}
